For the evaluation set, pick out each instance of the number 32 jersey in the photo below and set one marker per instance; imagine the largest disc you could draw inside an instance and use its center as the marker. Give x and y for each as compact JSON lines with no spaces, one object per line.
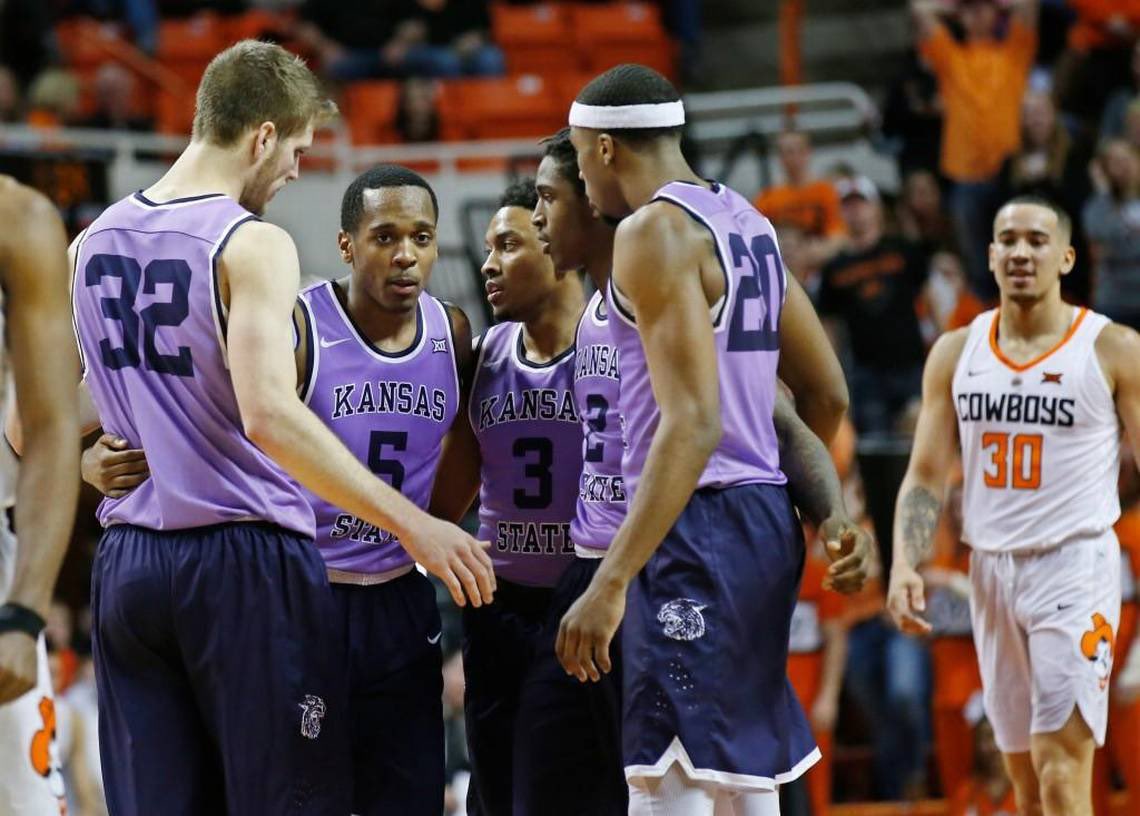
{"x":151,"y":328}
{"x":530,"y":441}
{"x":1040,"y":440}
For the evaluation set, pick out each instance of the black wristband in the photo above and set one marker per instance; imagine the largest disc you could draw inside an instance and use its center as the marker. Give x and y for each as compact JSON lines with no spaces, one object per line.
{"x":16,"y":618}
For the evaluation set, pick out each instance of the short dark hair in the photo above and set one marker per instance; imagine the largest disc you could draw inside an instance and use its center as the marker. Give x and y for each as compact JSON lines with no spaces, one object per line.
{"x":382,"y":175}
{"x":559,"y":148}
{"x":520,"y":193}
{"x":631,"y":84}
{"x":1064,"y":220}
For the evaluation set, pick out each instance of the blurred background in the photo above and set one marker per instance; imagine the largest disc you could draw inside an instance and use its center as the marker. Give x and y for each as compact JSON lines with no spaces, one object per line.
{"x":878,"y":136}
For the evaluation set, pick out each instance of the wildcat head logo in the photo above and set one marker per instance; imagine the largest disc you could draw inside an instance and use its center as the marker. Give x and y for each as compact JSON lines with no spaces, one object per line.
{"x":312,"y":711}
{"x":1097,"y":646}
{"x":682,"y":618}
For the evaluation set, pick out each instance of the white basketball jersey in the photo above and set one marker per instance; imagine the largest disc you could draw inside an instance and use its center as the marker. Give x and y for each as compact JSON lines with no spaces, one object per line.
{"x":1040,"y":440}
{"x":8,"y":468}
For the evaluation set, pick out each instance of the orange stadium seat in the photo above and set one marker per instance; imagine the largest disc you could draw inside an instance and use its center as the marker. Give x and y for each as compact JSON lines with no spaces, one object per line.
{"x":535,"y":39}
{"x":252,"y":25}
{"x":86,"y":43}
{"x":194,"y":39}
{"x":502,"y":108}
{"x":613,"y":33}
{"x":370,"y":111}
{"x":173,"y":112}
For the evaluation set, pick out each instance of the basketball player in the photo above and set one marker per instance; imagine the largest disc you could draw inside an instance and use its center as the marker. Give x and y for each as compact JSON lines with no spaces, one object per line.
{"x":378,"y":360}
{"x":33,"y":276}
{"x":696,"y":299}
{"x":1036,"y":390}
{"x":214,"y":634}
{"x":522,"y":450}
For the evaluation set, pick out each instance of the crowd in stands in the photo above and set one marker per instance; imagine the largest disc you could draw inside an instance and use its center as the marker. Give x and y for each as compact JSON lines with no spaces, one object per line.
{"x":983,"y":112}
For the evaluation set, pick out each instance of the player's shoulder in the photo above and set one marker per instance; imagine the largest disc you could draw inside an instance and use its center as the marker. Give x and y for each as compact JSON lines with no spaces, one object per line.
{"x":1117,"y":348}
{"x":257,"y":240}
{"x":947,"y":351}
{"x":20,"y":203}
{"x":659,"y":230}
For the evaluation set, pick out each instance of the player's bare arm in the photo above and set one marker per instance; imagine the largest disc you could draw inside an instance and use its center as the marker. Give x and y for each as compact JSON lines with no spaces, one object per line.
{"x":457,"y":477}
{"x":1118,"y":350}
{"x":809,"y":366}
{"x":815,"y":489}
{"x":655,"y":252}
{"x":919,"y":501}
{"x":926,"y":16}
{"x":261,"y":274}
{"x":33,"y":272}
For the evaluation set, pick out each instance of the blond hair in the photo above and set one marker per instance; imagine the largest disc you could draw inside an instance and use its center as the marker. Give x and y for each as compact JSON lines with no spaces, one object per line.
{"x":253,"y":82}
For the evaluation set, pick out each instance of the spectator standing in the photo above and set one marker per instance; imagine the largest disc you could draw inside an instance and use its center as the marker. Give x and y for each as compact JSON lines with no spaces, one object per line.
{"x":921,"y":218}
{"x":1112,"y":224}
{"x":449,"y":38}
{"x":1112,"y":118}
{"x":1096,"y":54}
{"x":871,"y":287}
{"x":981,"y":79}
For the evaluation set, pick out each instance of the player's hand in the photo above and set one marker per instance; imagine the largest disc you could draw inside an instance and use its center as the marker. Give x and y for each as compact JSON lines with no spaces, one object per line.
{"x":824,"y":713}
{"x":906,"y":600}
{"x":457,"y":559}
{"x":18,"y":665}
{"x":850,"y":549}
{"x":587,"y":628}
{"x":113,"y":468}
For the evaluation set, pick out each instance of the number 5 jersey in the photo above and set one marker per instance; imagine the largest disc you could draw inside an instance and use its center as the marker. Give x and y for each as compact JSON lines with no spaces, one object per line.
{"x":1040,"y":440}
{"x":151,"y":327}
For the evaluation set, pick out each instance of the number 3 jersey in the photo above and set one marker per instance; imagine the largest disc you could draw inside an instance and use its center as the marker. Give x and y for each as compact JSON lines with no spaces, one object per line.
{"x":1040,"y":440}
{"x":746,"y":323}
{"x":530,"y":441}
{"x":392,"y":410}
{"x":151,"y":327}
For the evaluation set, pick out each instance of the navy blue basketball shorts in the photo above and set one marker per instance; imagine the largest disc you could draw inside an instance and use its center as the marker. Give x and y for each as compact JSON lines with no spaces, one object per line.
{"x":498,"y":646}
{"x":706,"y":646}
{"x":392,"y":635}
{"x":568,"y":734}
{"x":221,"y":676}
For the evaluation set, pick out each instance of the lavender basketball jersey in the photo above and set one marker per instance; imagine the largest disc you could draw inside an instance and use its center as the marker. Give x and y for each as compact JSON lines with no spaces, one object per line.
{"x":391,"y":410}
{"x":746,"y":325}
{"x":531,"y":445}
{"x":601,"y":494}
{"x":151,"y":330}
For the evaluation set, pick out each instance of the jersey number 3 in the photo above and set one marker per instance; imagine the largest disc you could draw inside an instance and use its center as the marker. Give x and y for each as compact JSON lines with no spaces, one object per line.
{"x":1025,"y":472}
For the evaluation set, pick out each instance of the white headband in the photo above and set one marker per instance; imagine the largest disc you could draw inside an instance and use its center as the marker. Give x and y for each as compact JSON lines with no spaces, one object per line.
{"x":625,"y":117}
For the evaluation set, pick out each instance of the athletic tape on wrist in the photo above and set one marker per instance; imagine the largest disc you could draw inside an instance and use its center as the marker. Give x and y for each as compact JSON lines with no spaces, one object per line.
{"x":17,"y":618}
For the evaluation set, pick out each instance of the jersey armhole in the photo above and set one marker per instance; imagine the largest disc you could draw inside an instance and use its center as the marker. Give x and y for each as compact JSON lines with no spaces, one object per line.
{"x":306,"y":348}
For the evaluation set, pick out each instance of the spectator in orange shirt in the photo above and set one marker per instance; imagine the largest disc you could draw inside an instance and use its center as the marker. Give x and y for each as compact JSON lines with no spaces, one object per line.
{"x":987,"y":791}
{"x":804,"y":203}
{"x":1097,"y":54}
{"x":982,"y":80}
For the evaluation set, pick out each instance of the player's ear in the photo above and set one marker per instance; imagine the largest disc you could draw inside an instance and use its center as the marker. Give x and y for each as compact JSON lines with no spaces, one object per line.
{"x":344,"y":243}
{"x":605,"y":147}
{"x":1068,"y":260}
{"x":265,"y":139}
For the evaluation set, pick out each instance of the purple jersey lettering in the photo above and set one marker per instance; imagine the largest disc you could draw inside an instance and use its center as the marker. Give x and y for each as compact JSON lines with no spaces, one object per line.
{"x":530,"y":441}
{"x":601,"y":493}
{"x":391,"y":410}
{"x":746,"y":323}
{"x":151,"y":331}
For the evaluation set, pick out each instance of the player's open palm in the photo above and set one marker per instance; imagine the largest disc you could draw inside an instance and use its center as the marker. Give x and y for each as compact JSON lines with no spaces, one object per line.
{"x":586,"y":631}
{"x":112,"y":467}
{"x":850,"y":549}
{"x":906,"y":600}
{"x":456,"y":558}
{"x":18,"y":665}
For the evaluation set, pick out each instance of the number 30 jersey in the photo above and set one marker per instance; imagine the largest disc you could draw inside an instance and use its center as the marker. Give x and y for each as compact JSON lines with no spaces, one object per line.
{"x":530,"y":441}
{"x":1040,"y":440}
{"x":746,"y":324}
{"x":151,"y":327}
{"x":392,"y":410}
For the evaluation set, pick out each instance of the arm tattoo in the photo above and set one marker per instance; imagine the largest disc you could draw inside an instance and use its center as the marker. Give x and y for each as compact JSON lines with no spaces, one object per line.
{"x":812,"y":482}
{"x":920,"y":510}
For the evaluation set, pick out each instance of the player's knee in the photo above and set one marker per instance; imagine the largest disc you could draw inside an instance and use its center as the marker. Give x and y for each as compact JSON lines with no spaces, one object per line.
{"x":1060,"y":784}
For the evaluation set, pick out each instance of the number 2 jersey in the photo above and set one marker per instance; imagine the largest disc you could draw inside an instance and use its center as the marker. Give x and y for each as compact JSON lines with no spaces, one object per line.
{"x":151,"y":327}
{"x":1040,"y":440}
{"x":530,"y":441}
{"x":746,"y":323}
{"x":392,"y":410}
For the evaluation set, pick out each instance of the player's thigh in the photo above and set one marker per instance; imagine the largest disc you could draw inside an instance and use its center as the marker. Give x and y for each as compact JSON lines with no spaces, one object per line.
{"x":1070,"y":748}
{"x":671,"y":794}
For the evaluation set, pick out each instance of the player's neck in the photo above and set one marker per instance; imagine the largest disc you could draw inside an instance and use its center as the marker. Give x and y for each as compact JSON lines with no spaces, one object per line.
{"x":1026,"y":321}
{"x":201,"y":169}
{"x":388,"y":330}
{"x":652,"y":170}
{"x":552,"y":331}
{"x":601,"y":258}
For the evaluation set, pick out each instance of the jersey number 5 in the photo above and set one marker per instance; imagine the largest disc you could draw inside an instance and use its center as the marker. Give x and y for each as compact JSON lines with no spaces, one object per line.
{"x":1025,"y":473}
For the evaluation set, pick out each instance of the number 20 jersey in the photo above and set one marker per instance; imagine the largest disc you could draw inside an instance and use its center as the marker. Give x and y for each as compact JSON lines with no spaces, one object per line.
{"x":530,"y":442}
{"x":1040,"y":440}
{"x":746,"y":325}
{"x":151,"y":328}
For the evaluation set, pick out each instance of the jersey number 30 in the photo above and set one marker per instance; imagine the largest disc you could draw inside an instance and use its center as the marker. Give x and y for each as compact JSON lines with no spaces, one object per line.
{"x":1024,"y":471}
